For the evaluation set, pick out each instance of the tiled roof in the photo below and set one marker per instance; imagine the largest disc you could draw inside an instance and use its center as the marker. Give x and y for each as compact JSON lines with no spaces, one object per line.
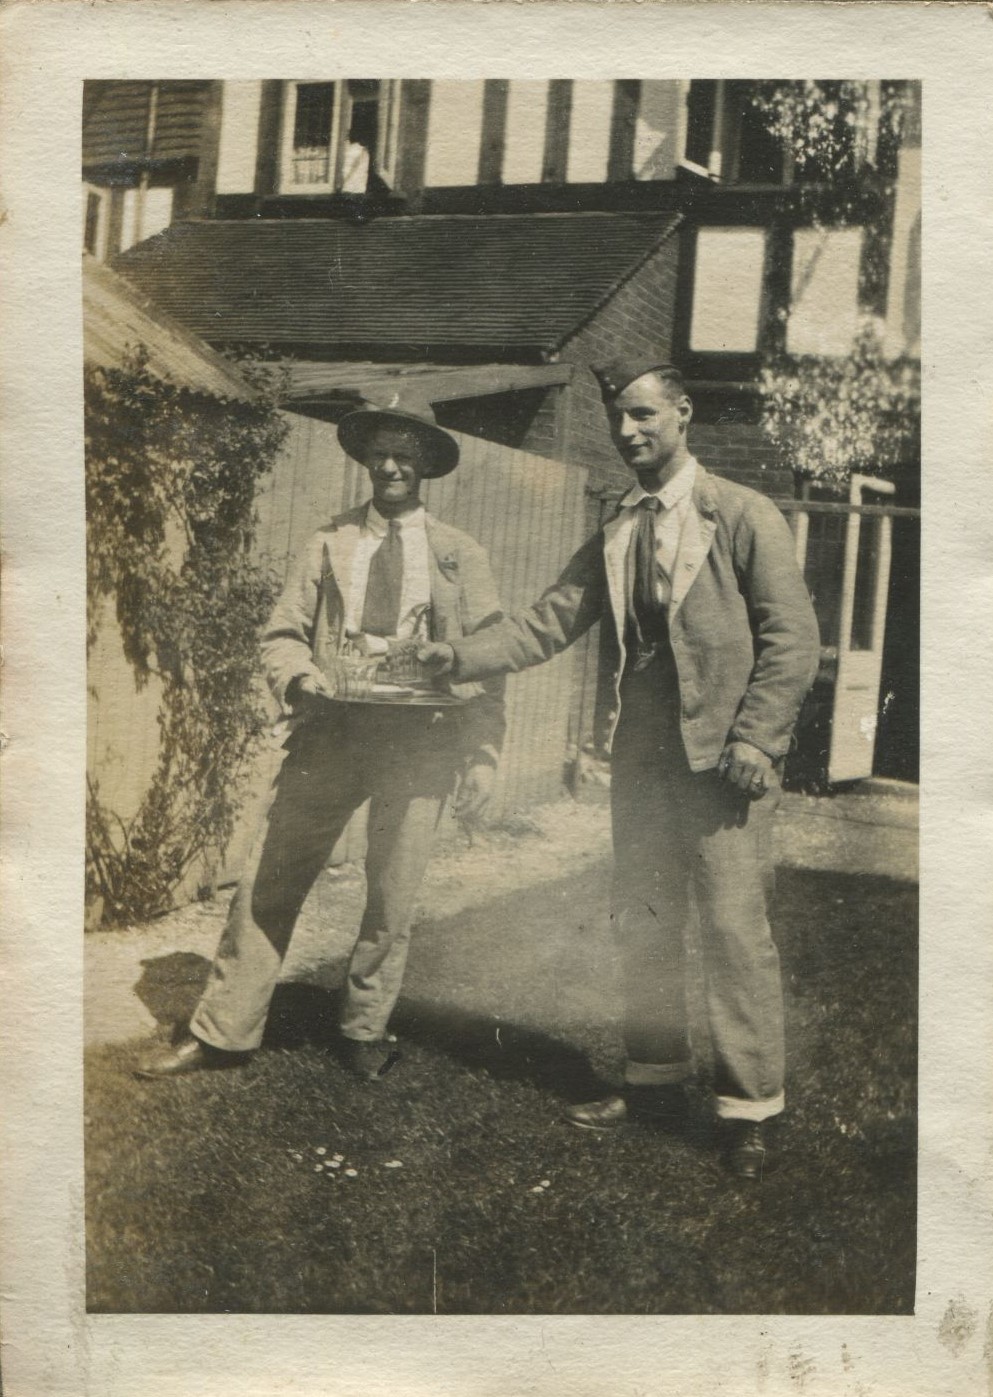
{"x":116,"y":319}
{"x":499,"y":283}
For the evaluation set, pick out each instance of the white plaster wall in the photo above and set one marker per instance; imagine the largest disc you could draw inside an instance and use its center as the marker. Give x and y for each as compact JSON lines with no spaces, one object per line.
{"x":727,"y":289}
{"x":903,"y":305}
{"x":589,"y":132}
{"x":455,"y":126}
{"x":656,"y":131}
{"x":824,"y":292}
{"x":236,"y":158}
{"x":524,"y":135}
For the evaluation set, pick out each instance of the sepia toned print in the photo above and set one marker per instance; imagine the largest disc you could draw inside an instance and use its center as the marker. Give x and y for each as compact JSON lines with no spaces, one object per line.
{"x":439,"y":984}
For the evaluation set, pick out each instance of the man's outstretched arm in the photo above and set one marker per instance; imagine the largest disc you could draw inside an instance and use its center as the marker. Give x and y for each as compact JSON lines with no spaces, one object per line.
{"x":561,"y":615}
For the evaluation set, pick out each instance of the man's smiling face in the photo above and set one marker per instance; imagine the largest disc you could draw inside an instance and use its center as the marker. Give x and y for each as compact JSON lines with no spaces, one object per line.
{"x":395,"y":464}
{"x":648,"y":422}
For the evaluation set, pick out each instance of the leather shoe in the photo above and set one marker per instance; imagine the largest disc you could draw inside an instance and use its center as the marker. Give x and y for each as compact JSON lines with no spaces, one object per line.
{"x":666,"y":1106}
{"x":369,"y":1059}
{"x":747,"y":1154}
{"x":189,"y":1055}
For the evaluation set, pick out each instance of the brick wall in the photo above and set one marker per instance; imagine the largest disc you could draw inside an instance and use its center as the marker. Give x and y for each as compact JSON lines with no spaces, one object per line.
{"x":638,"y":319}
{"x":740,"y":451}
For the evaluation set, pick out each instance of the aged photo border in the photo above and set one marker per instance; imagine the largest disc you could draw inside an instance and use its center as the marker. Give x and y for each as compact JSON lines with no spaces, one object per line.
{"x":50,"y":1345}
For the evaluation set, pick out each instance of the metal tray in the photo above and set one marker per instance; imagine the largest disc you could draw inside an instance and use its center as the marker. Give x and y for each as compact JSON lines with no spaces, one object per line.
{"x":411,"y":699}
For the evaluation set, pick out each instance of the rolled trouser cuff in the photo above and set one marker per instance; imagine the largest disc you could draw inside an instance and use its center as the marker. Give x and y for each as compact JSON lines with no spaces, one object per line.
{"x":205,"y":1027}
{"x":656,"y":1074}
{"x":736,"y":1108}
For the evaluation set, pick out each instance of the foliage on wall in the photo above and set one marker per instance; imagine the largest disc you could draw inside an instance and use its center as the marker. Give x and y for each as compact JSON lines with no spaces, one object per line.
{"x":830,"y":132}
{"x":834,"y":416}
{"x":171,"y":478}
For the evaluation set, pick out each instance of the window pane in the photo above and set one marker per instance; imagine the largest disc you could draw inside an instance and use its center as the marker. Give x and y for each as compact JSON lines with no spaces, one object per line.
{"x":315,"y":103}
{"x":727,"y":290}
{"x":312,"y":132}
{"x":824,"y":293}
{"x":700,"y":105}
{"x":760,"y":154}
{"x":92,"y":228}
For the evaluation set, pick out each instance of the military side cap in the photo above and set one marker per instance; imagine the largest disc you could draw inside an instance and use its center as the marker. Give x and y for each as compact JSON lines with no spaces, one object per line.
{"x":411,"y":414}
{"x":615,"y":376}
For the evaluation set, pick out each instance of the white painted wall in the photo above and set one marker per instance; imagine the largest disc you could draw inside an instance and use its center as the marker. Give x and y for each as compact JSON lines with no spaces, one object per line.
{"x":236,"y":158}
{"x":589,"y":132}
{"x":143,"y":218}
{"x":824,"y":291}
{"x":656,"y":131}
{"x":455,"y":126}
{"x":903,"y":302}
{"x":524,"y":136}
{"x":727,"y":289}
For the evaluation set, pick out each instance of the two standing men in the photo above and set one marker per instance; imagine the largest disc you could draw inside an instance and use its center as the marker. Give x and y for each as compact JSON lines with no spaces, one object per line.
{"x":711,"y":644}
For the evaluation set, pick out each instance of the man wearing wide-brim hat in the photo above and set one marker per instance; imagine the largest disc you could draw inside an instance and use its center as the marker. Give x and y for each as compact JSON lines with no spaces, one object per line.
{"x":710,"y":643}
{"x":366,"y":589}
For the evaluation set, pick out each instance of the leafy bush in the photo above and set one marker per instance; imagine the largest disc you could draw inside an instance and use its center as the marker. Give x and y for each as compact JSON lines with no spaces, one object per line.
{"x":834,"y":416}
{"x":171,"y":478}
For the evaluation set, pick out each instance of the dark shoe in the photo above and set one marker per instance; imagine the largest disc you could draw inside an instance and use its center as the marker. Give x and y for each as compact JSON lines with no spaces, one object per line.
{"x":747,"y":1153}
{"x":189,"y":1055}
{"x":369,"y":1059}
{"x":663,"y":1105}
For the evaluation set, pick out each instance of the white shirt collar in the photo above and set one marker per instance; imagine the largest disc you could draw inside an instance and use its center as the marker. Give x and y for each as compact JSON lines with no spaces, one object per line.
{"x":376,"y":524}
{"x":671,"y":493}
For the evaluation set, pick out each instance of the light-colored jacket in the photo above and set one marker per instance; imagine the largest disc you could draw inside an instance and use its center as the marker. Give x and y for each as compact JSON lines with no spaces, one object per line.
{"x":741,"y":625}
{"x":306,"y":628}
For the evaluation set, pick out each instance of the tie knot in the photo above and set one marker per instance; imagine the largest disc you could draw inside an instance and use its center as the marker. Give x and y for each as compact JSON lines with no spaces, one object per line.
{"x":650,"y":502}
{"x":394,"y":526}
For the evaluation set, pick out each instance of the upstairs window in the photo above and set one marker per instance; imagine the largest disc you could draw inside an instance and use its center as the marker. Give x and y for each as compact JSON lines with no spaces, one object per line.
{"x":727,"y":136}
{"x":313,"y":122}
{"x":338,"y":136}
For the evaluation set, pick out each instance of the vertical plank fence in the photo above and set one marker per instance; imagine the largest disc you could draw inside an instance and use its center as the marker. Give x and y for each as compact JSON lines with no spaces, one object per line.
{"x":528,"y":512}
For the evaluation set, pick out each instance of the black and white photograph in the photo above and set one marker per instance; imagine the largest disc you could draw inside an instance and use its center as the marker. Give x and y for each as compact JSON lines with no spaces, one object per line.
{"x":545,"y":926}
{"x":494,"y":800}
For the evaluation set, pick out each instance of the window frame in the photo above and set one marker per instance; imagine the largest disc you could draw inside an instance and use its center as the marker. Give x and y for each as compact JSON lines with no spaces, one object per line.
{"x":383,"y":160}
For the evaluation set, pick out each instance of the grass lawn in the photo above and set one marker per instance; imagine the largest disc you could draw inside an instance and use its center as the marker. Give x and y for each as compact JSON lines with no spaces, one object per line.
{"x":466,"y":1195}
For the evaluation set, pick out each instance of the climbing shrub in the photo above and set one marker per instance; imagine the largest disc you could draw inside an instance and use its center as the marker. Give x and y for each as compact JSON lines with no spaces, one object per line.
{"x":171,"y":479}
{"x":835,"y":416}
{"x":859,"y":412}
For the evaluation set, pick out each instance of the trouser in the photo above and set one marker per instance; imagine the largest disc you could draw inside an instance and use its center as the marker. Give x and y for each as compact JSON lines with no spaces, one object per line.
{"x":673,"y":827}
{"x":404,"y":761}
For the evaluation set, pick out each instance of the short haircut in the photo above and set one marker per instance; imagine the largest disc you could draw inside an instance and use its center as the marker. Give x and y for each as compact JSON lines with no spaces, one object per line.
{"x":671,"y":380}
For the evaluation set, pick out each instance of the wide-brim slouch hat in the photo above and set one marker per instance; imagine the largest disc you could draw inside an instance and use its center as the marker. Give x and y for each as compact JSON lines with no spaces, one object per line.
{"x":441,"y":450}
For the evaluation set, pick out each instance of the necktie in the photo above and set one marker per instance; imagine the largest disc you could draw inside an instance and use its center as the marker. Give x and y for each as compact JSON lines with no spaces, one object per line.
{"x":381,"y":612}
{"x":643,"y":549}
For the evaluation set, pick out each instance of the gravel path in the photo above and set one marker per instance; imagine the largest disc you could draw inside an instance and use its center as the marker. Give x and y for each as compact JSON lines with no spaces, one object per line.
{"x":137,"y":978}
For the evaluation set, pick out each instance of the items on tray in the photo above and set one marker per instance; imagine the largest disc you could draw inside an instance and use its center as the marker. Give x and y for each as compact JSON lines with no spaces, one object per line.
{"x":371,"y":668}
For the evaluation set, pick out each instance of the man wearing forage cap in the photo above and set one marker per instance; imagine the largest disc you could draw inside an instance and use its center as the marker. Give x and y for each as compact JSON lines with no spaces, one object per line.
{"x":383,"y":573}
{"x":710,"y":643}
